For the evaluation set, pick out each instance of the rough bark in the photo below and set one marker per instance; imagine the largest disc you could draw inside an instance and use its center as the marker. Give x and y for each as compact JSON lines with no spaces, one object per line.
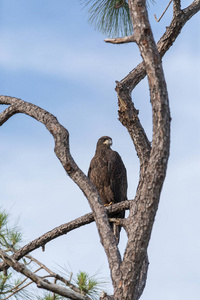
{"x":153,"y":160}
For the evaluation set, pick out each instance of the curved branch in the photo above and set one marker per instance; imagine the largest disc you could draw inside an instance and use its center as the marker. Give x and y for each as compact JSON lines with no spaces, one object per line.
{"x":62,"y":151}
{"x":7,"y":114}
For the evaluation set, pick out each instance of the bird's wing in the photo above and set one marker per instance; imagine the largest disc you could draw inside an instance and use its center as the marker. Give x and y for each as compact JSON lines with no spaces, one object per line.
{"x":118,"y":178}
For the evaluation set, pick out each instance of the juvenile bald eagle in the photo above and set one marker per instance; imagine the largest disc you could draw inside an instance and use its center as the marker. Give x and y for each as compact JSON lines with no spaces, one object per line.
{"x":108,"y":174}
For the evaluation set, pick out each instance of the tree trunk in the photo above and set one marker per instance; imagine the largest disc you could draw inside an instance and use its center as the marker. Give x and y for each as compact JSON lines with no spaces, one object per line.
{"x":153,"y":160}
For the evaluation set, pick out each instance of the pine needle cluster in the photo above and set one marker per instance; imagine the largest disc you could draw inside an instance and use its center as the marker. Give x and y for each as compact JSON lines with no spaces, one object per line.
{"x":110,"y":17}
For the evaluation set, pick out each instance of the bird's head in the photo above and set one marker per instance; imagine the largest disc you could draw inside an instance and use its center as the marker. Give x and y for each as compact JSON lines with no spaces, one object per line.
{"x":104,"y":141}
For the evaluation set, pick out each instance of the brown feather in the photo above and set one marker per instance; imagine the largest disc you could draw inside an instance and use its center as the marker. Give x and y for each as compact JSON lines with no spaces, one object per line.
{"x":108,"y":174}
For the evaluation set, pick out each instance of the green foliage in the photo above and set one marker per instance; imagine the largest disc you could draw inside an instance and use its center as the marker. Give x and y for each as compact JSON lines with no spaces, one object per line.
{"x":3,"y":220}
{"x":15,"y":237}
{"x":110,"y":17}
{"x":4,"y":282}
{"x":88,"y":285}
{"x":9,"y":284}
{"x":9,"y":237}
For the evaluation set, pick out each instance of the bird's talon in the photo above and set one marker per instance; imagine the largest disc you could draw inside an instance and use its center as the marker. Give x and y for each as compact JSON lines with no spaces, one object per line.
{"x":108,"y":204}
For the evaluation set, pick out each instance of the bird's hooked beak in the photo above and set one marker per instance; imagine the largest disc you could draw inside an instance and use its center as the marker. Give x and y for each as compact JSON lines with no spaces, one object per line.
{"x":108,"y":142}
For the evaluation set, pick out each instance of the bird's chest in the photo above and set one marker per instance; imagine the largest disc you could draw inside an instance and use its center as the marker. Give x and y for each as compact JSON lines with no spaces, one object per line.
{"x":100,"y":170}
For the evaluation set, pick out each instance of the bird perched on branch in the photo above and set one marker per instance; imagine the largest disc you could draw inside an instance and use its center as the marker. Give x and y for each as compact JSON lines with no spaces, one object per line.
{"x":108,"y":174}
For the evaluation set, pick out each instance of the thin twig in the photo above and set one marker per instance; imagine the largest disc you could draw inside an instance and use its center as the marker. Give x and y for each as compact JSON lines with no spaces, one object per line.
{"x":54,"y":295}
{"x":42,"y":283}
{"x":122,"y":40}
{"x":120,"y":5}
{"x":53,"y":274}
{"x":158,"y":20}
{"x":17,"y":289}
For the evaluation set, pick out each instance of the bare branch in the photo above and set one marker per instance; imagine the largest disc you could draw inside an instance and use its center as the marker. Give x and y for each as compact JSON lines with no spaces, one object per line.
{"x":191,"y":10}
{"x":62,"y":151}
{"x":128,"y":116}
{"x":6,"y":114}
{"x":122,"y":40}
{"x":177,"y":23}
{"x":41,"y":283}
{"x":63,"y":229}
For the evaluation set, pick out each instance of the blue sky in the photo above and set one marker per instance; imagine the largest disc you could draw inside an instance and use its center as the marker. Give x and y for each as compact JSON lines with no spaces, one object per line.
{"x":52,"y":57}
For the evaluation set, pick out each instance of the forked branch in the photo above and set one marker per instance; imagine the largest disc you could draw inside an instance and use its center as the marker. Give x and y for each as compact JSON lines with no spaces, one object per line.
{"x":164,"y":44}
